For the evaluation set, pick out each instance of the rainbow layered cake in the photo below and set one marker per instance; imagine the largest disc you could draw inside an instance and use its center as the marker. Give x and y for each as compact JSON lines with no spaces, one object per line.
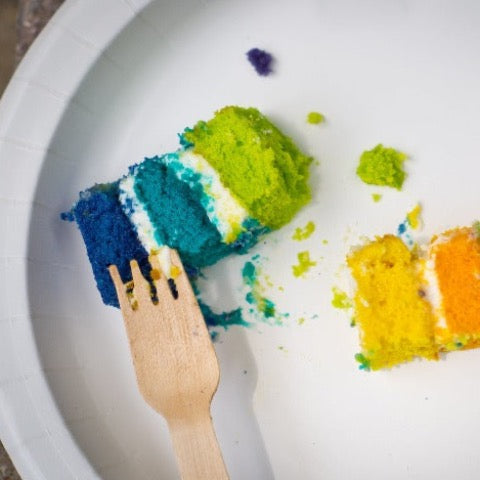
{"x":416,"y":302}
{"x":233,"y":179}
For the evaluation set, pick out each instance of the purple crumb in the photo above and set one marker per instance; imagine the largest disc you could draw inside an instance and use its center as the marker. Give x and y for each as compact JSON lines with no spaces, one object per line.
{"x":261,"y":60}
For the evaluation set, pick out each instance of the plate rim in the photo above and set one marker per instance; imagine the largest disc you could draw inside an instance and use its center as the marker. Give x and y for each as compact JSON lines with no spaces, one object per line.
{"x":32,"y":448}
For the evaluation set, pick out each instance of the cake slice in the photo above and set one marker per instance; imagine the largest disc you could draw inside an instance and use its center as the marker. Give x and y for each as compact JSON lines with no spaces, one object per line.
{"x":233,"y":179}
{"x":419,"y":302}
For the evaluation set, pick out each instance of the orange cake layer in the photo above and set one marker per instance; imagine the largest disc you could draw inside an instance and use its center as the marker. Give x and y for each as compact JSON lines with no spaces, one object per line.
{"x":456,"y":257}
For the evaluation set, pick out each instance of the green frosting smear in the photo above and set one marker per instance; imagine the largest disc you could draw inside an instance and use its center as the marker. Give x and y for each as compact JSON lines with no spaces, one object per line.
{"x":382,"y":166}
{"x":261,"y":166}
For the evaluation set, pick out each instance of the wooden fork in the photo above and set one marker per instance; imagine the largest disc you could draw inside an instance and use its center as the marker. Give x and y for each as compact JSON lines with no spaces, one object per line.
{"x":175,"y":363}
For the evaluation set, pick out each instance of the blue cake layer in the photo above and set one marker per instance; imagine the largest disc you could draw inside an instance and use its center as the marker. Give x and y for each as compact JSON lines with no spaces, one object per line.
{"x":109,"y":237}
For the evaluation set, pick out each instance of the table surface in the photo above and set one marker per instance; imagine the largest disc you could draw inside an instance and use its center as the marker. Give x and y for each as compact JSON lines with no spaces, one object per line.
{"x":32,"y":17}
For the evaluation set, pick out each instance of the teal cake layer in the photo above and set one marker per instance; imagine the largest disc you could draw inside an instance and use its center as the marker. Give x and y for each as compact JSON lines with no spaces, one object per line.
{"x":168,"y":210}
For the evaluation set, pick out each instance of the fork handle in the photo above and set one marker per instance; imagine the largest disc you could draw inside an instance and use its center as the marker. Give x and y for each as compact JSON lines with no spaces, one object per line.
{"x":196,"y":447}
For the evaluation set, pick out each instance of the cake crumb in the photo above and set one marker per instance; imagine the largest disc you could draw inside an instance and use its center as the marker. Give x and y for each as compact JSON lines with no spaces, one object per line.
{"x":304,"y":264}
{"x":341,"y":299}
{"x":303,"y":233}
{"x":263,"y":308}
{"x":382,"y":166}
{"x":376,"y":197}
{"x":413,"y":217}
{"x":261,"y":61}
{"x":315,"y":118}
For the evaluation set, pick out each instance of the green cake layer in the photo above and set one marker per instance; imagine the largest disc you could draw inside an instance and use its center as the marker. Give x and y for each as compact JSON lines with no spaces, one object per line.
{"x":260,"y":165}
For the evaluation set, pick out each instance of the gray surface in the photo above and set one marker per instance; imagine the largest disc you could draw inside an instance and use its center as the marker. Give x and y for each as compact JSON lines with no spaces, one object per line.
{"x":7,"y":470}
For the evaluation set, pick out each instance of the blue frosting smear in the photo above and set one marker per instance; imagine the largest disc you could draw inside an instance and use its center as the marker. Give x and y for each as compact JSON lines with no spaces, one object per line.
{"x":108,"y":236}
{"x":223,"y":319}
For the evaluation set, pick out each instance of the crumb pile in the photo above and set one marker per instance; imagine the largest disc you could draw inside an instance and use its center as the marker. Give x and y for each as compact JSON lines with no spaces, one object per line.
{"x":382,"y":166}
{"x":234,"y":178}
{"x":410,"y":303}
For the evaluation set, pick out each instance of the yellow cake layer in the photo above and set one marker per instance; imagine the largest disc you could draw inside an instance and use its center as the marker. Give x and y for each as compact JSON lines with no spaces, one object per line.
{"x":396,"y":322}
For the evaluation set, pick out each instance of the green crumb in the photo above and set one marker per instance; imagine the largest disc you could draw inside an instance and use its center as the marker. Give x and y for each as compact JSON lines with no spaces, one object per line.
{"x":270,"y":178}
{"x":353,"y":323}
{"x":303,"y":233}
{"x":301,"y":321}
{"x":325,"y":241}
{"x":382,"y":166}
{"x":476,"y":229}
{"x":304,"y":264}
{"x":267,"y":307}
{"x":262,"y":307}
{"x":363,"y":361}
{"x":340,"y":299}
{"x":376,"y":197}
{"x":315,"y":118}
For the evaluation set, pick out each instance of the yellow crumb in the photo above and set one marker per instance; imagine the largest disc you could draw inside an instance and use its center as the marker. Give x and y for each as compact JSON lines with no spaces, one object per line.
{"x":175,"y":272}
{"x":413,"y":217}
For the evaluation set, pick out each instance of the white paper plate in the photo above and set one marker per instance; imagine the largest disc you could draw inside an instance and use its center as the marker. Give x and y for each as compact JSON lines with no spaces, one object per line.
{"x":109,"y":82}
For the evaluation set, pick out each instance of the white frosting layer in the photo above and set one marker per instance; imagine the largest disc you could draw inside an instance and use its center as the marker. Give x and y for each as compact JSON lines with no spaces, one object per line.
{"x":140,"y":219}
{"x":223,"y":210}
{"x":433,"y":290}
{"x":137,"y":214}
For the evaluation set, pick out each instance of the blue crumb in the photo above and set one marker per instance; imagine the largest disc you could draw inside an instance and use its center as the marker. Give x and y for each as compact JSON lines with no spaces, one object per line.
{"x":67,"y":216}
{"x":261,"y":61}
{"x":224,"y":319}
